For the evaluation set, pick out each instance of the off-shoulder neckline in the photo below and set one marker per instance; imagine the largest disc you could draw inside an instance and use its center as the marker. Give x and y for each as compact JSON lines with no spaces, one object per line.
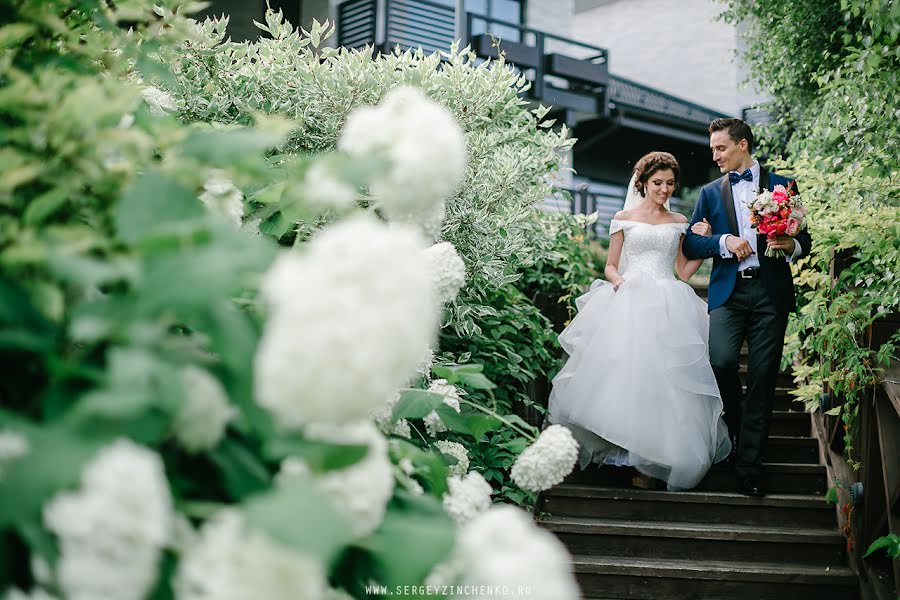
{"x":651,"y":224}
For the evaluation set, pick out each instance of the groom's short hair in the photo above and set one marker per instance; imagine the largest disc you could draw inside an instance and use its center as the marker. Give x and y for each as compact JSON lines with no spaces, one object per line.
{"x":737,"y":130}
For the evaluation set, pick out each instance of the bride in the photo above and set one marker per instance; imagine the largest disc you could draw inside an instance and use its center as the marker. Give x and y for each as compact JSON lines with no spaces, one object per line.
{"x":638,"y":388}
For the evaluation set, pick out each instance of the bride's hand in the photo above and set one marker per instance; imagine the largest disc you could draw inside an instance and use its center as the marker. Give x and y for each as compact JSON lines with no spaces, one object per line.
{"x":702,"y":228}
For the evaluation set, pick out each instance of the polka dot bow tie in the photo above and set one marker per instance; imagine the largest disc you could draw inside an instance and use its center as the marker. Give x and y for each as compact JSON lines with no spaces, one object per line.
{"x":734,"y":177}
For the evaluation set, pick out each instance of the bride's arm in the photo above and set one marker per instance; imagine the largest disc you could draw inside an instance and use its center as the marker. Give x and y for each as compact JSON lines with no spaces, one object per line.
{"x":616,"y":241}
{"x":686,"y":268}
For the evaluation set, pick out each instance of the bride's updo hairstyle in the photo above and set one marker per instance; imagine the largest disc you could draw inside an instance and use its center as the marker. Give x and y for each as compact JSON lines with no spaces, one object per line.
{"x":650,"y":164}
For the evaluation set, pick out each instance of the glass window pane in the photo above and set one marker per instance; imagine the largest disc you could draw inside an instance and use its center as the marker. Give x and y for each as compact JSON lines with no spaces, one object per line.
{"x":477,"y":6}
{"x":507,"y":10}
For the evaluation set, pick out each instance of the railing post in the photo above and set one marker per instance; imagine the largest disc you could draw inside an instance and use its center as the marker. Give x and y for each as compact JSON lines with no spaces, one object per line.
{"x":381,"y":17}
{"x":539,"y":69}
{"x":460,"y":23}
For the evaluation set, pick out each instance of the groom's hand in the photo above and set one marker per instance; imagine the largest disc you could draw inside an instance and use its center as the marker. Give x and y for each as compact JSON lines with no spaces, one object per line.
{"x":782,"y":242}
{"x":738,"y":246}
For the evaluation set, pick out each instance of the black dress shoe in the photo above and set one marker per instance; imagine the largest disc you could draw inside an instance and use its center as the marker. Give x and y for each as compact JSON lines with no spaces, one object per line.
{"x":750,"y":488}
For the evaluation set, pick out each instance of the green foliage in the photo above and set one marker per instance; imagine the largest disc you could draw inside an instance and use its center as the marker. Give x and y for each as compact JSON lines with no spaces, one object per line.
{"x":833,"y":69}
{"x":290,"y":74}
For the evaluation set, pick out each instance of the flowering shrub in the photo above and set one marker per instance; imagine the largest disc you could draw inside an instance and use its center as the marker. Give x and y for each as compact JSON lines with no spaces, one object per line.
{"x":187,"y":405}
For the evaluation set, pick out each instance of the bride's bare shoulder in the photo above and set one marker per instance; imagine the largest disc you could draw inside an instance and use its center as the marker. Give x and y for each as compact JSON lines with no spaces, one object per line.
{"x":679,"y":218}
{"x":622,"y":215}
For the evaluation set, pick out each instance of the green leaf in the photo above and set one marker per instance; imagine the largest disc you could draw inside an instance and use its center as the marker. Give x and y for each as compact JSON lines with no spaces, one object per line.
{"x":14,"y":34}
{"x":415,"y":404}
{"x":832,"y":495}
{"x":890,"y":542}
{"x":834,"y":411}
{"x":299,"y":517}
{"x":241,"y":470}
{"x":416,"y":534}
{"x":469,"y":376}
{"x":227,"y":147}
{"x":53,"y":462}
{"x":319,"y":455}
{"x":154,"y":203}
{"x":474,"y":425}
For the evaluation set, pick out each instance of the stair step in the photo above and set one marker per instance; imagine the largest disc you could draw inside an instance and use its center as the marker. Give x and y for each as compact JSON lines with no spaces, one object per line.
{"x":636,"y":578}
{"x":788,"y":449}
{"x":784,"y":478}
{"x":701,"y":541}
{"x":784,"y":401}
{"x":704,"y":507}
{"x":785,"y":423}
{"x":785,"y":378}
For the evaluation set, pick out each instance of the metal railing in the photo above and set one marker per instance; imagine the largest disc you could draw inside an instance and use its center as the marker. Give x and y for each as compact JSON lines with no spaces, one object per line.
{"x":564,"y":73}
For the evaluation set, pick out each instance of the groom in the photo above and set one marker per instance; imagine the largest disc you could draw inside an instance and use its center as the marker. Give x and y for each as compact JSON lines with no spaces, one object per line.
{"x":750,"y":294}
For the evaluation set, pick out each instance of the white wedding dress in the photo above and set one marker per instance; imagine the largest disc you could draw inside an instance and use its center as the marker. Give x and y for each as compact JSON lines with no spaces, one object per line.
{"x":638,"y":388}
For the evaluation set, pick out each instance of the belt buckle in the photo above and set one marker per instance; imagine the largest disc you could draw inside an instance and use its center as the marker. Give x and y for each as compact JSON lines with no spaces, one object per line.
{"x":746,"y":274}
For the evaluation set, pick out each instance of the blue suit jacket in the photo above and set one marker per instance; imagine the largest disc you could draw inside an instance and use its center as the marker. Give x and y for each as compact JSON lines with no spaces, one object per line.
{"x":716,"y":205}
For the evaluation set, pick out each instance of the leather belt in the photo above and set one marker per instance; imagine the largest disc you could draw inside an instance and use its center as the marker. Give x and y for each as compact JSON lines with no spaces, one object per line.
{"x":750,"y":273}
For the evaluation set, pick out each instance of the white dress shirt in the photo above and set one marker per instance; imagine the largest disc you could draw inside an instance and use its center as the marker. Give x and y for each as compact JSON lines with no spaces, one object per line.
{"x":743,"y":193}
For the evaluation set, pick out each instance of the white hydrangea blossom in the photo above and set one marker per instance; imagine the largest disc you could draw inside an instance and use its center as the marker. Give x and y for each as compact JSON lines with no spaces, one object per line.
{"x":111,"y":531}
{"x":201,"y":419}
{"x":547,"y":461}
{"x":384,"y":419}
{"x":448,"y":271}
{"x":360,"y":491}
{"x":323,"y":190}
{"x":467,"y":496}
{"x":501,"y":553}
{"x":426,"y":147}
{"x":160,"y":103}
{"x":13,"y":445}
{"x":221,"y":196}
{"x":231,"y":561}
{"x":349,"y":321}
{"x":433,"y":423}
{"x":457,"y":451}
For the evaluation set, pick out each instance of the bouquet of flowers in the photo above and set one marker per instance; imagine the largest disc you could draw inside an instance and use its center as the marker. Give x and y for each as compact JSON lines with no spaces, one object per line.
{"x":779,"y":212}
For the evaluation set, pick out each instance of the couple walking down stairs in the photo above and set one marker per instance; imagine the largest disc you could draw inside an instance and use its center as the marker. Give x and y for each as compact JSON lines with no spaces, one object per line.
{"x":710,"y":542}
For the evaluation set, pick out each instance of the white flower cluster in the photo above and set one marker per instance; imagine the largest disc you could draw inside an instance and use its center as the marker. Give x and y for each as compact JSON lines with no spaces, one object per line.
{"x":230,"y":561}
{"x":426,"y":148}
{"x":457,"y":451}
{"x":501,"y":553}
{"x":467,"y":496}
{"x":349,"y":321}
{"x":433,"y":423}
{"x":13,"y":445}
{"x":160,"y":103}
{"x":205,"y":412}
{"x":448,"y":271}
{"x":112,"y":530}
{"x":360,"y":491}
{"x":323,"y":190}
{"x":547,"y":461}
{"x":383,"y":417}
{"x":222,"y":197}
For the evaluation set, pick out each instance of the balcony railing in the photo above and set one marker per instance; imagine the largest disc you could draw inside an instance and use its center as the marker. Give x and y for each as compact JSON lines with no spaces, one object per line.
{"x":564,"y":73}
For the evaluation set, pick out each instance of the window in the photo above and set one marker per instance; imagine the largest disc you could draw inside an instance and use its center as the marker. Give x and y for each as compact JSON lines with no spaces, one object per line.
{"x":503,"y":10}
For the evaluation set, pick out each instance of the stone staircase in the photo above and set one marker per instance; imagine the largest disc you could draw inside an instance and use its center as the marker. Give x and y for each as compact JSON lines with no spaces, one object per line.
{"x":711,"y":542}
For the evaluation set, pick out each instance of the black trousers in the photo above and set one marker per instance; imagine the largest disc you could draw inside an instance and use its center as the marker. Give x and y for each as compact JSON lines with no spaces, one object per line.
{"x":750,"y":315}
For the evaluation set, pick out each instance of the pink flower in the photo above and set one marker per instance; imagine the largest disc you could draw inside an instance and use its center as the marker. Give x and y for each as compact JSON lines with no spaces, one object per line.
{"x":793,"y":227}
{"x":779,"y":194}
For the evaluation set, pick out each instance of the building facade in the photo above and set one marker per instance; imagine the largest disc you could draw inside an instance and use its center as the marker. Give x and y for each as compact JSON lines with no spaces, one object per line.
{"x":627,"y":76}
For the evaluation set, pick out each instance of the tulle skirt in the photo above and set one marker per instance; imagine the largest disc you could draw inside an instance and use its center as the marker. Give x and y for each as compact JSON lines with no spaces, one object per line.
{"x":638,"y":388}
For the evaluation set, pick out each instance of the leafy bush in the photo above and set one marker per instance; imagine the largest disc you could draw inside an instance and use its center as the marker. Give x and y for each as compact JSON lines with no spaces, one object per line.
{"x":834,"y":71}
{"x":138,"y":457}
